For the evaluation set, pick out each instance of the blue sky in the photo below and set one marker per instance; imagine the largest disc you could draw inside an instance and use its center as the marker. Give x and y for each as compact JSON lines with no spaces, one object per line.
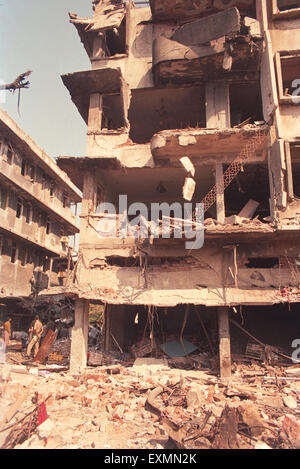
{"x":36,"y":35}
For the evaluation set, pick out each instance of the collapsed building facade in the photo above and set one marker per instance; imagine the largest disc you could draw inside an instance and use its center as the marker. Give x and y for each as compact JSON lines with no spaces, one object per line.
{"x":187,"y":102}
{"x":36,"y":220}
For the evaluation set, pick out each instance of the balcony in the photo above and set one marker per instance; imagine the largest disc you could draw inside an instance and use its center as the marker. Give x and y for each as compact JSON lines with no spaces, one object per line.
{"x":217,"y":47}
{"x":81,"y":85}
{"x":209,"y":146}
{"x":28,"y":233}
{"x":33,"y":191}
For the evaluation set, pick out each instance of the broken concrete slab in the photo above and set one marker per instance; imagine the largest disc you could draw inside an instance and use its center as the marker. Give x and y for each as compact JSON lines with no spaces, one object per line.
{"x":188,"y":188}
{"x":291,"y":430}
{"x":290,"y":402}
{"x":211,"y":145}
{"x":249,"y":209}
{"x":203,"y":30}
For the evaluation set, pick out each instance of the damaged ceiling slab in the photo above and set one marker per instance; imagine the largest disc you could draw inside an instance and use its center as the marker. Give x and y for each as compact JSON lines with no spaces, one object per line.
{"x":83,"y":84}
{"x":76,"y":166}
{"x":180,"y":11}
{"x":215,"y":47}
{"x":208,"y":145}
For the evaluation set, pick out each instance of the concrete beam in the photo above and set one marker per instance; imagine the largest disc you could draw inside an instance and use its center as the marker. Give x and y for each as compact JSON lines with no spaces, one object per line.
{"x":203,"y":30}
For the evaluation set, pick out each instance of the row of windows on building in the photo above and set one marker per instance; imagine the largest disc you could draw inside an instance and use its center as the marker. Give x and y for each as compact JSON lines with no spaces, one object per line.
{"x":23,"y":255}
{"x":32,"y":172}
{"x":24,"y":209}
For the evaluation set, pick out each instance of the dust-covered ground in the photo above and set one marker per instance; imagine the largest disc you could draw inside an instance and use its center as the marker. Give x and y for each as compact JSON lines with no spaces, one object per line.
{"x":149,"y":405}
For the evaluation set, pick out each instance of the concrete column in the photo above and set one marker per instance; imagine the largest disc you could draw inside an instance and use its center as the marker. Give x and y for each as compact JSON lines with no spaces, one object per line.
{"x":220,"y":202}
{"x":107,"y":327}
{"x":224,"y":343}
{"x":94,"y":121}
{"x":79,"y":344}
{"x":95,"y":113}
{"x":218,"y":117}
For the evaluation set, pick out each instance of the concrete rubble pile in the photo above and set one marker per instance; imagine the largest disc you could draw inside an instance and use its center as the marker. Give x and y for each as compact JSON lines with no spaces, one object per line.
{"x":149,"y":406}
{"x":62,"y":347}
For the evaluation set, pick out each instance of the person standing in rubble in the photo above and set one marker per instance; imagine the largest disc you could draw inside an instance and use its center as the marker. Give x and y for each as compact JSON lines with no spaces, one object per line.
{"x":7,"y":332}
{"x":37,"y":331}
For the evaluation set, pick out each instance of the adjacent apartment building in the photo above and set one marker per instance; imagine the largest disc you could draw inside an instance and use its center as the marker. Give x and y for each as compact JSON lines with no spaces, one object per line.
{"x":36,"y":216}
{"x":186,"y":103}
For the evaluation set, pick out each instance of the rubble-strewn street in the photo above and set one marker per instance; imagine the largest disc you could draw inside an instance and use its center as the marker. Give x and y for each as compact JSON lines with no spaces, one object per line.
{"x":149,"y":406}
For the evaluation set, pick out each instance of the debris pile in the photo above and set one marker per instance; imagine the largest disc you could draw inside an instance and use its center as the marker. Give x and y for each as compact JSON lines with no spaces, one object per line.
{"x":61,"y":348}
{"x":150,"y":406}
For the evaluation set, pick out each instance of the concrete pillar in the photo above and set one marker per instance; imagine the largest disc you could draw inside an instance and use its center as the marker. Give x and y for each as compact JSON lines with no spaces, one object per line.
{"x":220,"y":202}
{"x":107,"y":327}
{"x":79,"y":344}
{"x":218,"y":117}
{"x":94,"y":121}
{"x":224,"y":343}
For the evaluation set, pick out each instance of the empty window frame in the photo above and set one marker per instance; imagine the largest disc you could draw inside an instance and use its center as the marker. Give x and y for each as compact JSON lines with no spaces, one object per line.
{"x":285,"y":9}
{"x":245,"y":103}
{"x":9,"y":155}
{"x":13,"y":253}
{"x":65,"y":201}
{"x":27,"y":213}
{"x":99,"y":196}
{"x":40,"y":260}
{"x":46,"y":264}
{"x":288,"y":76}
{"x":112,"y":112}
{"x":23,"y":166}
{"x":30,"y":256}
{"x":114,"y":40}
{"x":32,"y":172}
{"x":19,"y":209}
{"x":42,"y":219}
{"x":48,"y":225}
{"x":3,"y":198}
{"x":52,"y":188}
{"x":22,"y":254}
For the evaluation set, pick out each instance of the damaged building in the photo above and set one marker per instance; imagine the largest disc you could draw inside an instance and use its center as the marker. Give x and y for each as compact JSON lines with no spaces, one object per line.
{"x":37,"y":222}
{"x":187,"y":102}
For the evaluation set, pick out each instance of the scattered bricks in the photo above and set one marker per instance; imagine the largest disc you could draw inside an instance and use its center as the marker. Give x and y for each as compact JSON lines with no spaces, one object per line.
{"x":290,"y":402}
{"x":11,"y":391}
{"x":74,"y":383}
{"x":251,"y":418}
{"x":216,"y":409}
{"x":194,"y":397}
{"x":79,"y":398}
{"x":97,"y":422}
{"x":90,"y":397}
{"x":210,"y":395}
{"x":63,"y":392}
{"x":93,"y":377}
{"x":291,"y":431}
{"x":271,"y":401}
